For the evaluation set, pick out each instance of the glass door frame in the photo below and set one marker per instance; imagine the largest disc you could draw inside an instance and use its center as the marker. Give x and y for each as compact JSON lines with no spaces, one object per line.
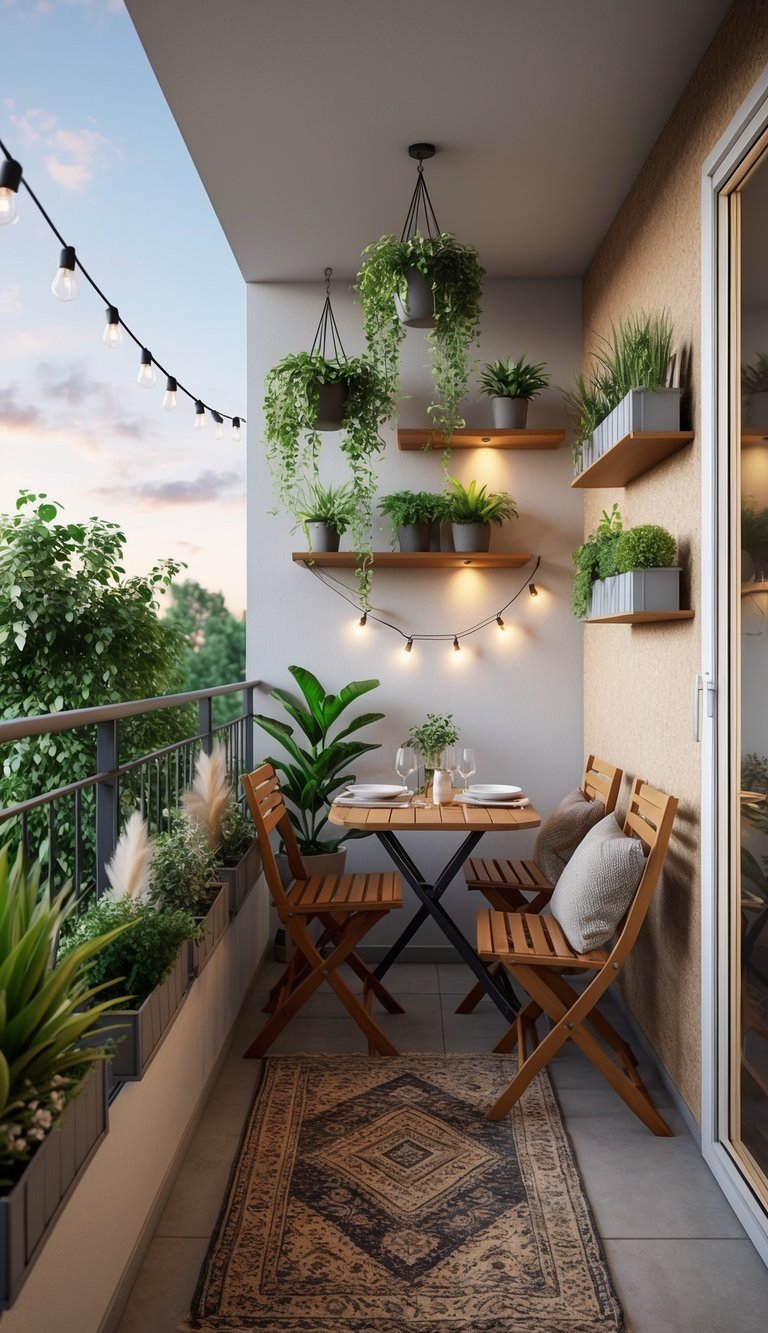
{"x":716,"y":689}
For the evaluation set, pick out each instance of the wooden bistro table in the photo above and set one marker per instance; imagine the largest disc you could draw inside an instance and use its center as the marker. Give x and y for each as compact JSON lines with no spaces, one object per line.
{"x":387,"y":822}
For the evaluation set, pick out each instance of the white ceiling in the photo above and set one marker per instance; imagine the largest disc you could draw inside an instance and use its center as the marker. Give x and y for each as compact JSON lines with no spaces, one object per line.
{"x":298,"y":114}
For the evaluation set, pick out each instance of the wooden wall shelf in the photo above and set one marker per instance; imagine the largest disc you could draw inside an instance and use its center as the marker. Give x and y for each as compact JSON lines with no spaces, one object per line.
{"x":748,"y":588}
{"x":415,"y":559}
{"x":640,"y":618}
{"x":636,"y":454}
{"x":481,"y":439}
{"x":752,"y":436}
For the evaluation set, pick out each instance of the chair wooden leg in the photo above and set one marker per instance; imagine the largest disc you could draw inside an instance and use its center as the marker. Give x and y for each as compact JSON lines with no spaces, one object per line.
{"x":474,"y":996}
{"x":509,"y":1041}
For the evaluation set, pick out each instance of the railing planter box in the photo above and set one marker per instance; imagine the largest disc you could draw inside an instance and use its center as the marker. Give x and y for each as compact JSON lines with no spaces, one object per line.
{"x":215,"y":923}
{"x":240,"y":878}
{"x":639,"y":410}
{"x":28,"y":1212}
{"x":637,"y":590}
{"x":140,"y":1032}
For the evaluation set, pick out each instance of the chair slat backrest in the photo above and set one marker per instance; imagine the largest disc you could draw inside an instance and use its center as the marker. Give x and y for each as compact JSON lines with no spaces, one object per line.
{"x":601,"y":782}
{"x":650,"y":816}
{"x":262,"y":788}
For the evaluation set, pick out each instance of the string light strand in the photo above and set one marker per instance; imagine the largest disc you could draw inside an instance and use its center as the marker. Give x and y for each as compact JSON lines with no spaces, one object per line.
{"x":114,"y":318}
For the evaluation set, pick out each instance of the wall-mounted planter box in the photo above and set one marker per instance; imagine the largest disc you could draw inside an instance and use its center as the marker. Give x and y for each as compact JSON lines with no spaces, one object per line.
{"x":241,"y":878}
{"x":215,"y":922}
{"x":28,"y":1213}
{"x":140,"y":1032}
{"x":639,"y":590}
{"x":640,"y":411}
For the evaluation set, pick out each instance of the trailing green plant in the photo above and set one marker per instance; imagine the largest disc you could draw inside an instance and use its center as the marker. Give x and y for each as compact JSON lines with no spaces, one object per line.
{"x":406,"y":507}
{"x":635,"y":356}
{"x":513,"y":379}
{"x":646,"y":546}
{"x":312,"y":774}
{"x":473,"y":504}
{"x":45,"y":1011}
{"x":595,"y":558}
{"x":334,"y":505}
{"x":294,"y":442}
{"x":182,"y":873}
{"x":456,"y":276}
{"x":141,"y":957}
{"x":432,"y":736}
{"x":754,"y":378}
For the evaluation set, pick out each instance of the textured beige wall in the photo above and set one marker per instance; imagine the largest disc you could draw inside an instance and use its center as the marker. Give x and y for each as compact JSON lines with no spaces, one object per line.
{"x":639,"y":680}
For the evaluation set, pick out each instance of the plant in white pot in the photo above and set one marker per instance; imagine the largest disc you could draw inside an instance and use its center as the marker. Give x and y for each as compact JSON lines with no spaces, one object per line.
{"x":314,"y":773}
{"x":511,"y":385}
{"x":430,"y":740}
{"x":472,"y":509}
{"x":325,"y":513}
{"x":411,"y":514}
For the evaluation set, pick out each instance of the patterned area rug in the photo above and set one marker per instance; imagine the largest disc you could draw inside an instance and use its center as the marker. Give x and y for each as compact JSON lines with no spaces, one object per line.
{"x":371,"y":1196}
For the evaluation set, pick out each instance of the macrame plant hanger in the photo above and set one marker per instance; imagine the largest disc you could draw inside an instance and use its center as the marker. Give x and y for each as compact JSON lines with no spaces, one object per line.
{"x":420,"y":217}
{"x":327,"y":341}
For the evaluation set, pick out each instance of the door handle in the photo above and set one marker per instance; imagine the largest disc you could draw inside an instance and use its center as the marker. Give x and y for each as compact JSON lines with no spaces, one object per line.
{"x":698,"y":687}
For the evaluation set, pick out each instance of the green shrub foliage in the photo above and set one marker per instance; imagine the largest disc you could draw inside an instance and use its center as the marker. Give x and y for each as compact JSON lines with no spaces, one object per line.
{"x":646,"y":546}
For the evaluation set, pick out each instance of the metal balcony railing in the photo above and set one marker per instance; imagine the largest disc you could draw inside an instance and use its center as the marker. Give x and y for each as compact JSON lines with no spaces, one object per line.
{"x":72,"y":830}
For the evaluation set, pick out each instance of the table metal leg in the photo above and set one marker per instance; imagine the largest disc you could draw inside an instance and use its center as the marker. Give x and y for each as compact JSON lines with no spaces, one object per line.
{"x":430,"y":906}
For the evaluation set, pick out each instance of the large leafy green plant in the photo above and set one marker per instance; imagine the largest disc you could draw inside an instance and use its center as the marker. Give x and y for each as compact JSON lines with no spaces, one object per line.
{"x":476,"y":504}
{"x":294,"y":442}
{"x":313,"y":773}
{"x":595,"y":558}
{"x":646,"y":546}
{"x":456,"y":277}
{"x":45,"y":1011}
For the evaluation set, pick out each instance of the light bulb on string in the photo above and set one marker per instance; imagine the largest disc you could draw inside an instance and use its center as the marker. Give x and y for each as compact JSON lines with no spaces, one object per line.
{"x":235,"y":428}
{"x":362,"y":622}
{"x":218,"y":434}
{"x":533,"y":590}
{"x":147,"y":375}
{"x":200,"y":421}
{"x":64,"y":285}
{"x":113,"y":334}
{"x":456,"y":644}
{"x":501,"y":625}
{"x":10,"y":180}
{"x":169,"y":397}
{"x":408,"y":647}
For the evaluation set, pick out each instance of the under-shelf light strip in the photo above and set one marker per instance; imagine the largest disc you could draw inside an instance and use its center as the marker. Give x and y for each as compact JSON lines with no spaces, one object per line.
{"x":113,"y":316}
{"x":454,"y":637}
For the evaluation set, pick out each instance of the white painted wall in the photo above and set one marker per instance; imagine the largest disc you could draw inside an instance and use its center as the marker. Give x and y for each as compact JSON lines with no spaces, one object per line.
{"x":101,"y":1234}
{"x":516,"y":697}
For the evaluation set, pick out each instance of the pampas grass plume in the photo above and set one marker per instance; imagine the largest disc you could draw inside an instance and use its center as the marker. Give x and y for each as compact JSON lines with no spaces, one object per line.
{"x":210,"y":793}
{"x":128,"y":871}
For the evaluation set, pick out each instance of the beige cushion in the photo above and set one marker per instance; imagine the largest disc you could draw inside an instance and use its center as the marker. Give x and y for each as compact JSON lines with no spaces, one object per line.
{"x":598,"y":885}
{"x":560,"y":835}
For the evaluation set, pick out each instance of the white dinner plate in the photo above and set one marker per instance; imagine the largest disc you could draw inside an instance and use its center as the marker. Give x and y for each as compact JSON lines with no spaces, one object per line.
{"x":464,"y":798}
{"x":372,"y":803}
{"x":381,"y":791}
{"x":497,"y":791}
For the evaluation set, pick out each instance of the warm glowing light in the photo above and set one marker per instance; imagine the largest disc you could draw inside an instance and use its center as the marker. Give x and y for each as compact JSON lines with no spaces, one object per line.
{"x":408,"y":647}
{"x":169,"y":397}
{"x":113,"y":334}
{"x":64,"y":285}
{"x":147,"y":375}
{"x":362,"y":623}
{"x":10,"y":180}
{"x":456,"y":644}
{"x":533,"y":590}
{"x":218,"y":434}
{"x":235,"y":428}
{"x":200,"y":419}
{"x":501,"y":625}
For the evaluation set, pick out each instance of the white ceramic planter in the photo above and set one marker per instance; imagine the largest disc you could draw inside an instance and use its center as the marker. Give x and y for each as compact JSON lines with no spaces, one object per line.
{"x":637,"y":590}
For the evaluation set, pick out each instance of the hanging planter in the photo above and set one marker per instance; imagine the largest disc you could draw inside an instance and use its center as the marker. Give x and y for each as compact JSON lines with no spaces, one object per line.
{"x":325,"y":390}
{"x":428,"y":280}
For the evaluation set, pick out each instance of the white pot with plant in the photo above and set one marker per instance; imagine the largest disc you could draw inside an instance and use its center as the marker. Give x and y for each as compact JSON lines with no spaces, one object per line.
{"x":472,"y":510}
{"x":325,"y":513}
{"x":430,"y":740}
{"x":511,"y":385}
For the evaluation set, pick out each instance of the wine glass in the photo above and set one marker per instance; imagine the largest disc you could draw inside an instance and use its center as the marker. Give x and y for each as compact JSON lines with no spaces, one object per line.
{"x":450,"y":761}
{"x":405,"y":762}
{"x":467,"y":764}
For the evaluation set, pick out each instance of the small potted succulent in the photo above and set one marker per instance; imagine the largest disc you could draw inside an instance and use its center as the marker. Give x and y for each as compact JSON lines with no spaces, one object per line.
{"x":412,"y":514}
{"x":325,"y":513}
{"x":511,"y":385}
{"x":754,"y":383}
{"x":430,"y":740}
{"x":210,"y":804}
{"x":432,"y":282}
{"x":183,"y":875}
{"x":472,"y":510}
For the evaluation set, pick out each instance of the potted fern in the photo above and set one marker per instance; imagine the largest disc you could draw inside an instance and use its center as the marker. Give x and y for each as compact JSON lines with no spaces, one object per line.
{"x":150,"y":959}
{"x":625,"y":390}
{"x":430,"y":282}
{"x":53,"y":1097}
{"x":511,"y":385}
{"x":472,"y":509}
{"x":210,"y":804}
{"x":411,"y":514}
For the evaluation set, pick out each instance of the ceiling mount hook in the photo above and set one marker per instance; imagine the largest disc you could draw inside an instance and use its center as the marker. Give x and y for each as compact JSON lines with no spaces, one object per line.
{"x":327,"y":341}
{"x":420,"y":211}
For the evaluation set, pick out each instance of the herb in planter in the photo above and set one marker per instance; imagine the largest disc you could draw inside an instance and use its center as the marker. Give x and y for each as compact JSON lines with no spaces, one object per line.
{"x":294,"y":442}
{"x":636,"y":356}
{"x":406,"y":508}
{"x":476,"y":504}
{"x":455,"y":274}
{"x":595,"y":558}
{"x":313,"y":774}
{"x":513,"y":379}
{"x":646,"y":546}
{"x":334,"y":505}
{"x":433,"y":735}
{"x":182,"y":872}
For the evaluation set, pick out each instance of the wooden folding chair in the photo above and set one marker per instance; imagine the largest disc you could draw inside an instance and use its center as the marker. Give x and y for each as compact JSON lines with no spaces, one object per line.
{"x":346,"y":906}
{"x":536,"y":953}
{"x":506,"y":884}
